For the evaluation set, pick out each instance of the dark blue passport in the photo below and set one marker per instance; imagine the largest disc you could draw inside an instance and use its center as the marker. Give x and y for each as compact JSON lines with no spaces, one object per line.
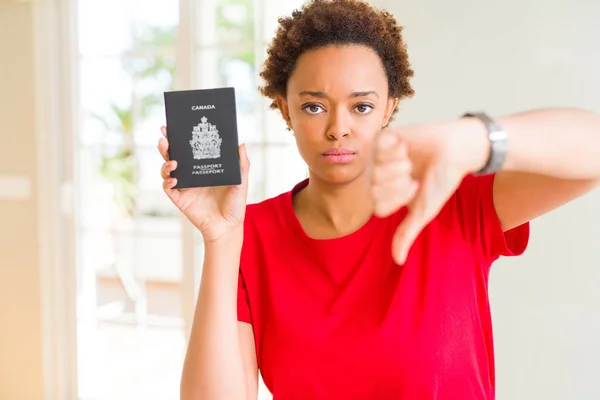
{"x":203,"y":137}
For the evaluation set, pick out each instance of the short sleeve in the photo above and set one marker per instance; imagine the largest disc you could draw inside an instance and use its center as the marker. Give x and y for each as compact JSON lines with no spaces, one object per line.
{"x":243,"y":306}
{"x":480,"y":223}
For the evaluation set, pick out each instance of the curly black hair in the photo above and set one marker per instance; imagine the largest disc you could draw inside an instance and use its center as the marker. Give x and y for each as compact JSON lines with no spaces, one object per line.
{"x":320,"y":23}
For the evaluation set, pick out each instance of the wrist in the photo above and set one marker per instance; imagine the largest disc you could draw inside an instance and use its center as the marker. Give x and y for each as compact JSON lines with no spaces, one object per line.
{"x":469,"y":144}
{"x":222,"y":258}
{"x":229,"y":239}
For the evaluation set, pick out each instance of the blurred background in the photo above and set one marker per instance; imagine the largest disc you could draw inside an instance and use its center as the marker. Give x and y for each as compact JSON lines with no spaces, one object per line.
{"x":98,"y":271}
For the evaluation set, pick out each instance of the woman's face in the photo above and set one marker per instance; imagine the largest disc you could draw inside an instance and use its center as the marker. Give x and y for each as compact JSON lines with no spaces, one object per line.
{"x":337,"y":101}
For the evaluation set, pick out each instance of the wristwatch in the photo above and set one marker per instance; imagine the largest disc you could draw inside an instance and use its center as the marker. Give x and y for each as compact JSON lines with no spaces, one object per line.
{"x":498,"y":143}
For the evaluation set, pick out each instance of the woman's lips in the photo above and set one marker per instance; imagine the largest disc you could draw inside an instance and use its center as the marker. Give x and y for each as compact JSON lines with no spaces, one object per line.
{"x":339,"y":156}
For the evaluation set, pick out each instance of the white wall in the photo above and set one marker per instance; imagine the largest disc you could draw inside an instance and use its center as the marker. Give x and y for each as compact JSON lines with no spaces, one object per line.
{"x":504,"y":57}
{"x":21,"y":368}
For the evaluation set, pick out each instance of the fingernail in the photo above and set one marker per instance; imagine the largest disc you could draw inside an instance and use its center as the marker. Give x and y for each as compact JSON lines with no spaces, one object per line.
{"x":401,"y":257}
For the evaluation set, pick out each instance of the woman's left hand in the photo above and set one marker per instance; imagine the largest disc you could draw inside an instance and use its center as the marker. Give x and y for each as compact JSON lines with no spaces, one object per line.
{"x":419,"y":167}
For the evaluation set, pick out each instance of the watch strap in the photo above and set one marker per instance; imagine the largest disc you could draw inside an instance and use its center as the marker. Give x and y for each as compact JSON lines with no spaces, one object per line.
{"x":498,"y":143}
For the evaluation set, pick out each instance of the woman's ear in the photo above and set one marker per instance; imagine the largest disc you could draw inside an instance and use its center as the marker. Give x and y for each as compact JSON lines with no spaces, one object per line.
{"x":285,"y":110}
{"x":392,"y":103}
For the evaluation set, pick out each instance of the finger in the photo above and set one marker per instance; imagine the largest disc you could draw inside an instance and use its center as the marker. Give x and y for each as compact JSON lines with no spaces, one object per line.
{"x":391,"y":154}
{"x":390,"y":148}
{"x":163,"y":130}
{"x":163,"y":148}
{"x":399,"y":187}
{"x":167,"y":168}
{"x":383,"y":173}
{"x":388,"y":200}
{"x":386,"y":138}
{"x":172,"y":193}
{"x":168,"y":185}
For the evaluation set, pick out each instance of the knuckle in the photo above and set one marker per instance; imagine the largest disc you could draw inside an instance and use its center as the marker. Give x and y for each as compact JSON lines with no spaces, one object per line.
{"x":381,"y":210}
{"x":399,"y":152}
{"x":381,"y":176}
{"x":405,"y":167}
{"x":376,"y":174}
{"x":377,"y":209}
{"x":399,"y":169}
{"x":376,"y":195}
{"x":386,"y":140}
{"x":377,"y":156}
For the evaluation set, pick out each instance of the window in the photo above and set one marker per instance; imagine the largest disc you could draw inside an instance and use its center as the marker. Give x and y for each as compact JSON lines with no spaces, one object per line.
{"x":138,"y":264}
{"x":229,"y":51}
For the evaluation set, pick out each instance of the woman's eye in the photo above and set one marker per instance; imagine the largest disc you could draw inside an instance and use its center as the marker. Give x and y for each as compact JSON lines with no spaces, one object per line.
{"x":364,"y":108}
{"x":313,"y":109}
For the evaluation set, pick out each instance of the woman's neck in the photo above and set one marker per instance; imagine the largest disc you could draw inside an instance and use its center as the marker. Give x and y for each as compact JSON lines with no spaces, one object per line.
{"x":328,"y":211}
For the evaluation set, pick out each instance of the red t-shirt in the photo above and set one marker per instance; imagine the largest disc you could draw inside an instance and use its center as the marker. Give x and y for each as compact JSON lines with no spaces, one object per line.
{"x":338,"y":319}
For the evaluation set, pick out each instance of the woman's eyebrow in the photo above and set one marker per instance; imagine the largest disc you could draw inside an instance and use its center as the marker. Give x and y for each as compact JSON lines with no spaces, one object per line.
{"x":362,"y":94}
{"x":323,"y":95}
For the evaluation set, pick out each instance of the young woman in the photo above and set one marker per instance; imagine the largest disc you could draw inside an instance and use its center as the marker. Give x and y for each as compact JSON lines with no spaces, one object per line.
{"x":369,"y":279}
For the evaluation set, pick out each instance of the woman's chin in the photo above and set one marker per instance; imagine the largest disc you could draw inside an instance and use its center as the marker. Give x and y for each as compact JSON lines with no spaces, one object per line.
{"x":339,"y":177}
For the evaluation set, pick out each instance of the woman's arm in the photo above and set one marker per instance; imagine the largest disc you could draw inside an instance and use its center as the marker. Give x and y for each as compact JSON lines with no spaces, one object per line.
{"x":220,"y":362}
{"x":553,"y":157}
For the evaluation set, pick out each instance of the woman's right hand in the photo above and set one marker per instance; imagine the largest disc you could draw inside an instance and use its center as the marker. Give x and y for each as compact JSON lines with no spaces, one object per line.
{"x":215,"y":211}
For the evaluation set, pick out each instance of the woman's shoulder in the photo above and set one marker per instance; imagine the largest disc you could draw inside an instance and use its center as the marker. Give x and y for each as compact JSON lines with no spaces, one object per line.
{"x":269,"y":215}
{"x":266,"y":222}
{"x":278,"y":206}
{"x":464,"y":204}
{"x":264,"y":208}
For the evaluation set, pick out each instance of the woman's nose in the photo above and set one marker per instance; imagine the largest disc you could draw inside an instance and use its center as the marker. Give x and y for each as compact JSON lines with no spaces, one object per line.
{"x":339,"y":125}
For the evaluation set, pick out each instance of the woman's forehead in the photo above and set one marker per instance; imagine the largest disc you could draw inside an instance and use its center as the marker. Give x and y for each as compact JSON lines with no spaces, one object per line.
{"x":350,"y":69}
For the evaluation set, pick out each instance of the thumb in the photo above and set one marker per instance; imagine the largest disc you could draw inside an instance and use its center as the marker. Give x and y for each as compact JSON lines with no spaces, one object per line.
{"x":406,"y":234}
{"x":244,"y":163}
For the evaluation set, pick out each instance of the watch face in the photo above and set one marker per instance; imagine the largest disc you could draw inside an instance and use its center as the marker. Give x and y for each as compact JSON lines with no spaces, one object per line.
{"x":497,"y":133}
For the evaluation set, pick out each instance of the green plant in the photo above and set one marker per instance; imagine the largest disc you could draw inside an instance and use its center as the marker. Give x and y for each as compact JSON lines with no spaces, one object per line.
{"x":149,"y":60}
{"x":150,"y":63}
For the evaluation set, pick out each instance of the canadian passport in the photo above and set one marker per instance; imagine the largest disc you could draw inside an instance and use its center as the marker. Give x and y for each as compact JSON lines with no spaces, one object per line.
{"x":203,"y":137}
